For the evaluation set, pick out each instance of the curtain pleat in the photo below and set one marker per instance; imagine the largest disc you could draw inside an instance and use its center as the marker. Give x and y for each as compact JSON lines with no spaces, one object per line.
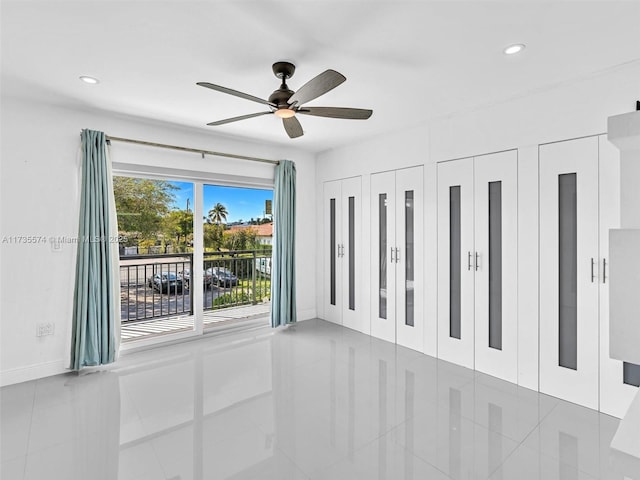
{"x":283,"y":272}
{"x":95,"y":330}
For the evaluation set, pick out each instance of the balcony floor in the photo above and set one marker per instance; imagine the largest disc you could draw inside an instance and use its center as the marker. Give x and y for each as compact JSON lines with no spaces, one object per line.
{"x":212,"y":318}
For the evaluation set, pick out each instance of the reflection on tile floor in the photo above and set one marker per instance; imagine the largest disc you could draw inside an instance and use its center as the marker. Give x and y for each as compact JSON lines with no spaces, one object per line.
{"x":313,"y":401}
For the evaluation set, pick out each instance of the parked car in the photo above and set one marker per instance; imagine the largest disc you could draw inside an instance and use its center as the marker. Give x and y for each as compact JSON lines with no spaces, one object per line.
{"x":186,"y":278}
{"x":222,"y":277}
{"x":166,"y":282}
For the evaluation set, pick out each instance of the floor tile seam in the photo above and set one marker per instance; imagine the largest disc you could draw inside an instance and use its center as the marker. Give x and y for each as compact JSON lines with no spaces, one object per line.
{"x":308,"y":475}
{"x":502,"y":463}
{"x":133,"y":406}
{"x":517,"y":445}
{"x":24,"y":466}
{"x":33,"y":401}
{"x":157,"y":458}
{"x":421,"y":458}
{"x":537,"y":426}
{"x":502,"y":434}
{"x":554,"y":458}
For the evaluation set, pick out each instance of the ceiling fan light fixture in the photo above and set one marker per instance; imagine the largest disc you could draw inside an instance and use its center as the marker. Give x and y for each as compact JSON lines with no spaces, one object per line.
{"x":284,"y":113}
{"x":513,"y":49}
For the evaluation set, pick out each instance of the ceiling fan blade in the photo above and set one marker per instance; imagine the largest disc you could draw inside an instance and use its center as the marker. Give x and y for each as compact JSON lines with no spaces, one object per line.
{"x":235,"y":93}
{"x":293,"y":127}
{"x":337,"y":112}
{"x":235,"y":119}
{"x":317,"y":86}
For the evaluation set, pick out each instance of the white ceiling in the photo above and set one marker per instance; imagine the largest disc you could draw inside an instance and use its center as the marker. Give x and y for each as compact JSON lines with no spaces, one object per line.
{"x":409,"y":61}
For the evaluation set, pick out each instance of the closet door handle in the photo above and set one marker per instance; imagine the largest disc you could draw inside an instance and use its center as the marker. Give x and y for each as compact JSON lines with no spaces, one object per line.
{"x":593,"y":264}
{"x":397,"y":255}
{"x":469,"y":261}
{"x":604,"y":270}
{"x":477,"y":260}
{"x":392,"y":259}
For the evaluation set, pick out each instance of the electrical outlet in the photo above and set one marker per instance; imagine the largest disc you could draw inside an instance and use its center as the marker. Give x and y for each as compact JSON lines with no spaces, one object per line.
{"x":44,"y":329}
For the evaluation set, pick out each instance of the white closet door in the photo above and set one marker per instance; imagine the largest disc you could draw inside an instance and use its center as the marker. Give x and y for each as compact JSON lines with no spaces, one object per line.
{"x":332,"y":206}
{"x":615,"y":394}
{"x":569,"y":270}
{"x":351,"y":233}
{"x":383,"y":242}
{"x":456,"y":262}
{"x":496,"y":240}
{"x":409,"y":258}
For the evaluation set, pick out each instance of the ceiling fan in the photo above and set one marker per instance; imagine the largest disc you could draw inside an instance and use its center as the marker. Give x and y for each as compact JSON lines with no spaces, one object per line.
{"x":286,"y":103}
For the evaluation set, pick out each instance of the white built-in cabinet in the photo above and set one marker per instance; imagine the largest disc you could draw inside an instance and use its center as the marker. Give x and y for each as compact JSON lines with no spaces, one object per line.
{"x":397,"y":257}
{"x":342,"y":206}
{"x":477,"y":263}
{"x":577,"y":183}
{"x":579,"y":203}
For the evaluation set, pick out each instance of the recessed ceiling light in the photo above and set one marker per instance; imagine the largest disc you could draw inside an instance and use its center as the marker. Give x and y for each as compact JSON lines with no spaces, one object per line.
{"x":89,"y":80}
{"x":513,"y":49}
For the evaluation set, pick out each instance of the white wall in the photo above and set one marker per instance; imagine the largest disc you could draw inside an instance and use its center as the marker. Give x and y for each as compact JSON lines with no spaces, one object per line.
{"x":560,"y":112}
{"x":39,"y":196}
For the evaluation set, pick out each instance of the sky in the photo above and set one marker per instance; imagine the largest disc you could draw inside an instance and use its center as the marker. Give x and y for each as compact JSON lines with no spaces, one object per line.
{"x":241,"y":203}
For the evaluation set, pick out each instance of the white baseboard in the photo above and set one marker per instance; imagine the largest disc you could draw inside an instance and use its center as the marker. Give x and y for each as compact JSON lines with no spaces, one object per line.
{"x":307,"y":314}
{"x":32,"y":372}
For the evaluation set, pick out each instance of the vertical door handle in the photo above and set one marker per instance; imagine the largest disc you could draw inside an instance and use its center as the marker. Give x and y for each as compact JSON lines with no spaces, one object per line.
{"x":593,"y":264}
{"x":392,"y":259}
{"x":469,"y":261}
{"x":397,"y":255}
{"x":477,"y":260}
{"x":604,"y":270}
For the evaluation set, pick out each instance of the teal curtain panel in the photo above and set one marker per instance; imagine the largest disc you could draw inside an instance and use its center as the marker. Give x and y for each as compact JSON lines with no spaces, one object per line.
{"x":95,"y":332}
{"x":283,"y":270}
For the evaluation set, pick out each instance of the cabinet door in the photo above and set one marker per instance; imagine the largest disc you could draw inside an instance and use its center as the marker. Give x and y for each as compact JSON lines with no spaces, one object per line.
{"x":569,"y":270}
{"x":409,"y":258}
{"x":332,"y":206}
{"x":615,"y":394}
{"x":496,"y":264}
{"x":455,"y":262}
{"x":383,"y":259}
{"x":350,"y":244}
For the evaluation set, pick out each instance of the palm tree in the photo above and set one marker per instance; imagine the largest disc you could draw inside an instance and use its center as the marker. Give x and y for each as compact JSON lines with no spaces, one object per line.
{"x":218,"y":213}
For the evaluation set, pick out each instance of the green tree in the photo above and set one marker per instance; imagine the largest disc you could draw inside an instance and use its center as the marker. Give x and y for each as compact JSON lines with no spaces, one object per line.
{"x":141,"y":205}
{"x":218,"y":214}
{"x":178,"y":225}
{"x":213,"y":236}
{"x":241,"y":239}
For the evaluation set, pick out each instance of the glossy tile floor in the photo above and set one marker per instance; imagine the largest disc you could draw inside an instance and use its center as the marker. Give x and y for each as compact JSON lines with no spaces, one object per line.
{"x":313,"y":401}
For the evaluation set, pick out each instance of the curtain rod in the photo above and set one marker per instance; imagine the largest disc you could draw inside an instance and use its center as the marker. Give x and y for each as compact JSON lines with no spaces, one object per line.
{"x":194,"y":150}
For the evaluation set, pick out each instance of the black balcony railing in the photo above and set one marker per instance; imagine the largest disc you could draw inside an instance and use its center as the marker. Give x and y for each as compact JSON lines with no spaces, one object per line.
{"x":241,"y":277}
{"x":153,"y":286}
{"x":157,"y":286}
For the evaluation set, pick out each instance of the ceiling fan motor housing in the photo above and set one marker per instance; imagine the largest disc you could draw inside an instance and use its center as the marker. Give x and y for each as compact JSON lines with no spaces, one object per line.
{"x":282,"y":70}
{"x":281,"y":96}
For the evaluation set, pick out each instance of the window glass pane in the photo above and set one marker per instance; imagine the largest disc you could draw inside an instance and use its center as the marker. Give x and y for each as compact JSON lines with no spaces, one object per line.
{"x":495,"y":265}
{"x":631,"y":374}
{"x":408,"y":261}
{"x":454,"y":262}
{"x":332,"y":255}
{"x":568,"y":271}
{"x":382,"y":255}
{"x":352,"y":253}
